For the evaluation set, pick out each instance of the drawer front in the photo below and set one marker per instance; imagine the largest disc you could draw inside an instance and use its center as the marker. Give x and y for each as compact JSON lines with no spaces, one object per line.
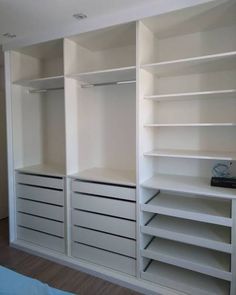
{"x":105,"y":241}
{"x":41,"y":224}
{"x":41,"y":239}
{"x":40,"y":209}
{"x":121,"y":227}
{"x":108,"y":259}
{"x":52,"y":182}
{"x":40,"y":194}
{"x":111,"y":191}
{"x":101,"y":205}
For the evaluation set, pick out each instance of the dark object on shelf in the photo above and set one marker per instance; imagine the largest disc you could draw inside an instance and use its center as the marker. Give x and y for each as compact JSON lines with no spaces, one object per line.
{"x":229,"y":182}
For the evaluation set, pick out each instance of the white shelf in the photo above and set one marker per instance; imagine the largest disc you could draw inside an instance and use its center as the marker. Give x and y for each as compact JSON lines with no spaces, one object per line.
{"x":44,"y":169}
{"x":193,"y":65}
{"x":228,"y":93}
{"x":184,"y":280}
{"x":190,"y":232}
{"x":107,"y":175}
{"x":188,"y":184}
{"x":106,"y":76}
{"x":42,"y":83}
{"x":191,"y":125}
{"x":216,"y":211}
{"x":224,"y":156}
{"x":197,"y":259}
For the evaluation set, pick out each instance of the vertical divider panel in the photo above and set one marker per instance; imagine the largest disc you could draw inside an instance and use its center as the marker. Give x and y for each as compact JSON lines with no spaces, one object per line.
{"x":71,"y":123}
{"x":10,"y":157}
{"x":68,"y":225}
{"x":233,"y":255}
{"x":138,"y":264}
{"x":71,"y":110}
{"x":144,"y":45}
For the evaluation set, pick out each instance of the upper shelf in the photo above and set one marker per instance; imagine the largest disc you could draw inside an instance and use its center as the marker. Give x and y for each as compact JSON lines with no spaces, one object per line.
{"x":191,"y":154}
{"x":227,"y":93}
{"x":190,"y":125}
{"x":193,"y":65}
{"x":188,"y":184}
{"x":121,"y":177}
{"x":42,"y":83}
{"x":106,"y":76}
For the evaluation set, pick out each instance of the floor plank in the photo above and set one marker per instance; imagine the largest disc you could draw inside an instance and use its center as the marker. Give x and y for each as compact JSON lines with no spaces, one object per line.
{"x":55,"y":275}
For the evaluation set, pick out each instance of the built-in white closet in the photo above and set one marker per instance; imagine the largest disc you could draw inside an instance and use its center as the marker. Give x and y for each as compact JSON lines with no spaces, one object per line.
{"x":114,"y":136}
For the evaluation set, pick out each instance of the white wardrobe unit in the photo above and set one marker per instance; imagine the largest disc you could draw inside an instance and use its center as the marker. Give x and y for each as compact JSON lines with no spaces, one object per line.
{"x":114,"y":136}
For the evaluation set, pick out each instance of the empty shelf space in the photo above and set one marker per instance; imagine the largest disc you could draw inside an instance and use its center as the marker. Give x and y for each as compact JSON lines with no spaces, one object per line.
{"x":190,"y":154}
{"x":106,"y":76}
{"x":229,"y":124}
{"x":228,"y":93}
{"x":44,"y":169}
{"x":198,"y":259}
{"x":188,"y":184}
{"x":204,"y":209}
{"x":192,"y":65}
{"x":42,"y":83}
{"x":201,"y":234}
{"x":184,"y":280}
{"x":106,"y":175}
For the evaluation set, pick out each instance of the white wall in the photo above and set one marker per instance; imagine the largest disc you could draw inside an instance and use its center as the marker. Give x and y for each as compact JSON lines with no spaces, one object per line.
{"x":3,"y":155}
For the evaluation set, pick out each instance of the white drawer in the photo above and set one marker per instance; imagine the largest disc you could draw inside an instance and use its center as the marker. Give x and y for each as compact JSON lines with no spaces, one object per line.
{"x":41,"y":239}
{"x":105,"y":241}
{"x":121,"y":227}
{"x":40,"y":194}
{"x":52,"y":182}
{"x":108,"y":259}
{"x":107,"y":206}
{"x":112,"y":191}
{"x":40,"y":209}
{"x":45,"y":225}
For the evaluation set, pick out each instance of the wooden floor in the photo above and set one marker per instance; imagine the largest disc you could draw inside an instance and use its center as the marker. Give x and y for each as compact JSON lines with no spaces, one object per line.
{"x":53,"y":274}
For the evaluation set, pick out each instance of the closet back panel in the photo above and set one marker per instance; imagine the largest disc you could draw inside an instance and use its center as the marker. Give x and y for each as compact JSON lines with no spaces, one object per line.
{"x":38,"y":61}
{"x":38,"y":128}
{"x":107,"y":127}
{"x":190,"y":32}
{"x":103,"y":49}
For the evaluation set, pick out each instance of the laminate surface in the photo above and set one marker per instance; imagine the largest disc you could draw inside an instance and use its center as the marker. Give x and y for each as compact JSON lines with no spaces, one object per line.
{"x":54,"y":274}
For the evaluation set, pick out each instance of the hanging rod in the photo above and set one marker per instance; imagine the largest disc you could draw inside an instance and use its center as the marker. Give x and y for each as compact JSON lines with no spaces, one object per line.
{"x":45,"y":90}
{"x":84,"y":86}
{"x":108,"y":83}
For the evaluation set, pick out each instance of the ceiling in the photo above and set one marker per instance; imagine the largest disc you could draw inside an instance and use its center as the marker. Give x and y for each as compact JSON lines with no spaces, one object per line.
{"x":41,"y":20}
{"x":29,"y":17}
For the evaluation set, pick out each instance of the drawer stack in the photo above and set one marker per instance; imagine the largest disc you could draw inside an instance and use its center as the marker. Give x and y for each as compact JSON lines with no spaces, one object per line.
{"x":104,"y":224}
{"x":40,"y":210}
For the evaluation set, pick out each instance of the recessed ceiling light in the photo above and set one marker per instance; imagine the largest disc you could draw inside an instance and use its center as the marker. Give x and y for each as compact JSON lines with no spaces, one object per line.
{"x":9,"y":35}
{"x":80,"y":16}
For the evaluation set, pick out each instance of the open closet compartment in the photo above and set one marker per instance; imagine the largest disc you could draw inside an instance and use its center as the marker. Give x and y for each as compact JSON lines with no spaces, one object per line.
{"x":38,"y":118}
{"x":100,"y":91}
{"x":101,"y":100}
{"x":187,"y":107}
{"x":38,"y":108}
